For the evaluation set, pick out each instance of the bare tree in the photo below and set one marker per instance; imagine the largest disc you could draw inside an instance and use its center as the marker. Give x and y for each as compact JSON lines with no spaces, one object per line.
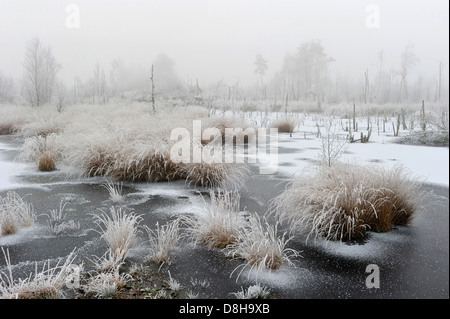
{"x":332,"y":144}
{"x":103,"y":87}
{"x":116,"y":84}
{"x":439,"y":84}
{"x":60,"y":96}
{"x":77,"y":90}
{"x":260,"y":70}
{"x":51,"y":67}
{"x":96,"y":83}
{"x":7,"y":89}
{"x":408,"y":59}
{"x":40,"y":69}
{"x":169,"y":83}
{"x":366,"y":85}
{"x":306,"y":71}
{"x":152,"y":79}
{"x":33,"y":73}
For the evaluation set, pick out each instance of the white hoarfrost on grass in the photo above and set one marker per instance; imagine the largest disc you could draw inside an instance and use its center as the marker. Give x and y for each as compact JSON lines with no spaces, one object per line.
{"x":57,"y":222}
{"x":48,"y":283}
{"x":119,"y":230}
{"x":218,"y":223}
{"x":114,"y":191}
{"x":261,"y":247}
{"x":256,"y":291}
{"x":106,"y":284}
{"x":15,"y":213}
{"x":45,"y":151}
{"x":163,"y":240}
{"x":342,"y":202}
{"x":127,"y":144}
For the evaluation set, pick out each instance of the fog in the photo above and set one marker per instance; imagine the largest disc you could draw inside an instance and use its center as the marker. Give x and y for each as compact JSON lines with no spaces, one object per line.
{"x":213,"y":40}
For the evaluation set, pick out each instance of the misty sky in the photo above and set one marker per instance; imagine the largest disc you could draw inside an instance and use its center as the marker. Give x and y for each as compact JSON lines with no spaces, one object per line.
{"x":215,"y":39}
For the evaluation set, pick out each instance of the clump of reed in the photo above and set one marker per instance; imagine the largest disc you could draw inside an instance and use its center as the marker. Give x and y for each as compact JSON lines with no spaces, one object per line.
{"x":344,"y":201}
{"x":47,"y":283}
{"x":261,"y":247}
{"x":15,"y":213}
{"x":218,"y":224}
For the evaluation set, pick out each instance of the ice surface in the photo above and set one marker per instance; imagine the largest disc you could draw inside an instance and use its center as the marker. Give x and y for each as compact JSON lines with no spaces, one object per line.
{"x":8,"y":171}
{"x":427,"y":163}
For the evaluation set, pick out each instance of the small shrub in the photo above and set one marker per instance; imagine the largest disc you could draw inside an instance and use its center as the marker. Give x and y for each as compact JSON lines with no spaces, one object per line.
{"x":6,"y":128}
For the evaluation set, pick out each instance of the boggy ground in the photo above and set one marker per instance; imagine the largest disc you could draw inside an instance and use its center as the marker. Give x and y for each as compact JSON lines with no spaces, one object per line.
{"x":413,"y":260}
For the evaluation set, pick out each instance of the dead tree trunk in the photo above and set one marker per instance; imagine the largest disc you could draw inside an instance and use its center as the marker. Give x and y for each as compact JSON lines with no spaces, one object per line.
{"x":153,"y":90}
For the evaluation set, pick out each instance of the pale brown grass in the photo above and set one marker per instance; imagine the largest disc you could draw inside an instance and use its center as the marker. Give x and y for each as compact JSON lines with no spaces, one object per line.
{"x":344,"y":201}
{"x":119,"y":230}
{"x":284,"y":125}
{"x":46,"y":163}
{"x":47,"y":283}
{"x":15,"y":213}
{"x":162,"y":241}
{"x":261,"y":246}
{"x":218,"y":223}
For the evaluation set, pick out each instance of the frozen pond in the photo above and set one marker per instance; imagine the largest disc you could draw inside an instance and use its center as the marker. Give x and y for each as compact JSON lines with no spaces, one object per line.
{"x":413,"y":261}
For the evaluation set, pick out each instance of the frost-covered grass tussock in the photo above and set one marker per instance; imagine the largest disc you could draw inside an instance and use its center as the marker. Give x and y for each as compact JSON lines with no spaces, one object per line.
{"x":163,"y":240}
{"x":285,"y":125}
{"x":114,"y":191}
{"x":106,"y":284}
{"x":256,"y":291}
{"x":47,"y":283}
{"x":218,"y":223}
{"x":261,"y":247}
{"x":119,"y":230}
{"x":224,"y":175}
{"x":45,"y":151}
{"x":125,"y":142}
{"x":344,"y":201}
{"x":15,"y":213}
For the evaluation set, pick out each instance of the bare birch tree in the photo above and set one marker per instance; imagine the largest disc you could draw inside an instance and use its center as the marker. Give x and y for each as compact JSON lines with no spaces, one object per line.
{"x":40,"y":69}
